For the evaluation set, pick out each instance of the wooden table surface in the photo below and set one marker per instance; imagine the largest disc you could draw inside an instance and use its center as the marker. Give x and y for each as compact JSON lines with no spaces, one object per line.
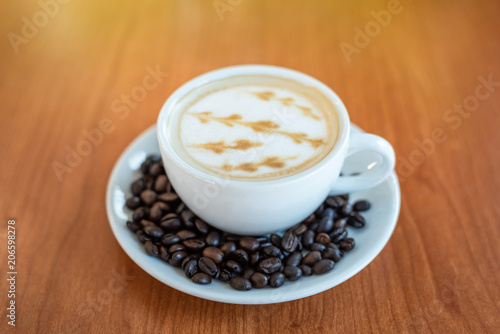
{"x":423,"y":74}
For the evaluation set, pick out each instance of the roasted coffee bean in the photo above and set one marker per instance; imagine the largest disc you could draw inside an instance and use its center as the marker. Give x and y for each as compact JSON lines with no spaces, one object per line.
{"x":207,"y":265}
{"x":213,"y":238}
{"x":289,"y":242}
{"x":186,"y":234}
{"x":276,"y":280}
{"x":228,"y":247}
{"x":168,"y":197}
{"x":325,"y":224}
{"x":145,"y":223}
{"x":346,"y":209}
{"x":214,"y":253}
{"x":328,"y":212}
{"x":306,"y":270}
{"x":249,"y":244}
{"x":148,"y":197}
{"x":170,"y":215}
{"x":143,"y":237}
{"x":294,"y":259}
{"x":248,"y":272}
{"x":192,"y":256}
{"x":140,"y":214}
{"x":318,"y":247}
{"x":171,"y":224}
{"x":240,"y":283}
{"x":155,"y":214}
{"x":148,"y":182}
{"x":356,"y":220}
{"x":164,"y":254}
{"x":161,"y":184}
{"x":225,"y":275}
{"x":133,"y":203}
{"x":176,"y":247}
{"x":345,"y":197}
{"x":314,"y":226}
{"x":340,"y":237}
{"x":266,"y":244}
{"x":308,"y":238}
{"x":156,"y":169}
{"x":270,"y":266}
{"x":337,"y":231}
{"x":151,"y":249}
{"x":311,"y":258}
{"x":323,"y":266}
{"x":134,"y":227}
{"x":298,"y":229}
{"x":271,"y":251}
{"x":177,"y":257}
{"x":158,"y":210}
{"x":332,"y":254}
{"x":170,"y":239}
{"x":254,"y":258}
{"x":292,"y":273}
{"x":154,"y":231}
{"x":331,"y":245}
{"x":201,"y":278}
{"x":233,"y":266}
{"x":185,"y":261}
{"x":335,"y":202}
{"x":262,"y":239}
{"x":322,"y":238}
{"x":201,"y":226}
{"x":319,"y":210}
{"x":194,"y":245}
{"x":145,"y":166}
{"x":340,"y":223}
{"x":347,"y":244}
{"x":233,"y":237}
{"x":276,"y":240}
{"x":239,"y":256}
{"x":310,"y":219}
{"x":137,"y":187}
{"x":259,"y":280}
{"x":361,"y":206}
{"x":191,"y":268}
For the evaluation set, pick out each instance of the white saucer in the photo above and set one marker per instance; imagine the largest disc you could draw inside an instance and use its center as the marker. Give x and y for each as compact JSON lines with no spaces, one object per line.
{"x":381,"y":220}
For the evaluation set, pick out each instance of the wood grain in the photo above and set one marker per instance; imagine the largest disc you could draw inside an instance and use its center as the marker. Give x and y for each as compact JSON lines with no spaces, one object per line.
{"x":438,"y":273}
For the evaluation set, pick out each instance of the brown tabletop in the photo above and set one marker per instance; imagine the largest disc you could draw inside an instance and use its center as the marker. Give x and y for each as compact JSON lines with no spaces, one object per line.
{"x":423,"y":74}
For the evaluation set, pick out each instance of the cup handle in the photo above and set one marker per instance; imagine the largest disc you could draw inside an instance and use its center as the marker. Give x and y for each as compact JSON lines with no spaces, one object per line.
{"x":372,"y":177}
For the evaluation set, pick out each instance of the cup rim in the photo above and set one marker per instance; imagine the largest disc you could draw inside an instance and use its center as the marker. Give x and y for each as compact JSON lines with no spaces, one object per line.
{"x":165,"y":112}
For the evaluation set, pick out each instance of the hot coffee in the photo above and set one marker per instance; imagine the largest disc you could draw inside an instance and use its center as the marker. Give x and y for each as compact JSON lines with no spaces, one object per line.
{"x":253,"y":127}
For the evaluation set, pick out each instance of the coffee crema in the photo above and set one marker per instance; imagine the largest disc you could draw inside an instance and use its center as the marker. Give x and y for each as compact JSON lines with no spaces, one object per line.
{"x":253,"y":127}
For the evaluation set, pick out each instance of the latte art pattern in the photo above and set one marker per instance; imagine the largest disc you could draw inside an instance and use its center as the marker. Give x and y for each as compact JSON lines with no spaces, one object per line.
{"x":287,"y":101}
{"x":221,"y":146}
{"x":253,"y":127}
{"x":259,"y":126}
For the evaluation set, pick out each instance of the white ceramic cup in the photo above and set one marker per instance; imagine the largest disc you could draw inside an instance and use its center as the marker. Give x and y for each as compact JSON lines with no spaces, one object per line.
{"x":260,"y":207}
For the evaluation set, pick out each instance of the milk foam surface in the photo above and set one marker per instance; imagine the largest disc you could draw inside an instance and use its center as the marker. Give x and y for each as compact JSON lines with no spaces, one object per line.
{"x":253,"y":127}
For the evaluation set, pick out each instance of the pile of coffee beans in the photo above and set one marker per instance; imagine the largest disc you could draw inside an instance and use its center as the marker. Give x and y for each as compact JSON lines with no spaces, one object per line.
{"x":171,"y":232}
